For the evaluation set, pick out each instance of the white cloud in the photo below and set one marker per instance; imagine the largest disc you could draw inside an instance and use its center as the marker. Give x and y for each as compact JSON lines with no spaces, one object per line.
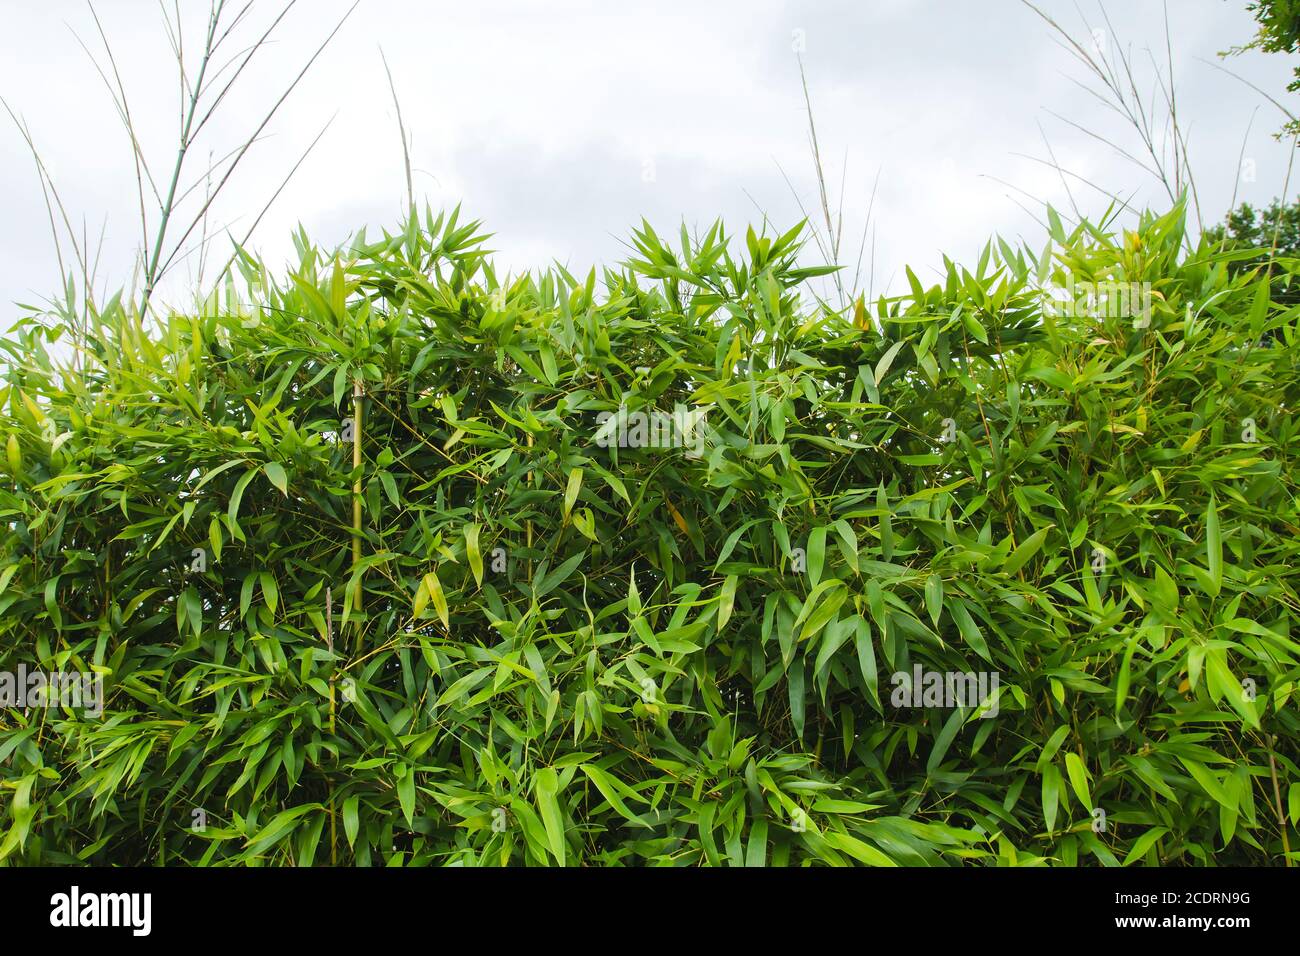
{"x":542,"y":119}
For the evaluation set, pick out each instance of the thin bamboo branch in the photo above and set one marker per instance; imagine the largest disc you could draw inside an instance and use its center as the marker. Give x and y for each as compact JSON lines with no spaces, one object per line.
{"x":1277,"y":801}
{"x":168,"y":207}
{"x":401,"y":128}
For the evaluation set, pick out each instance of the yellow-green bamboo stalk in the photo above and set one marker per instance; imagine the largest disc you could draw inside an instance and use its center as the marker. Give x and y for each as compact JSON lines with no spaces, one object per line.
{"x":356,"y":502}
{"x":329,"y":643}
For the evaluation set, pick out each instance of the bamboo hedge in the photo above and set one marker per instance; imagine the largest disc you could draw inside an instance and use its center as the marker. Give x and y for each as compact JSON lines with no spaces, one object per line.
{"x":393,"y":561}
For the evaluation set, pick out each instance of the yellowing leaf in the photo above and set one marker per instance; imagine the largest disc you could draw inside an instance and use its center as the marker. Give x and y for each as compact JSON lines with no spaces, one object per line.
{"x":430,"y":589}
{"x":677,"y":517}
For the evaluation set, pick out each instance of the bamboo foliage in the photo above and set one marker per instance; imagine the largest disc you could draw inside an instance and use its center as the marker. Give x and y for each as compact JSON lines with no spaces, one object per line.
{"x":642,"y":567}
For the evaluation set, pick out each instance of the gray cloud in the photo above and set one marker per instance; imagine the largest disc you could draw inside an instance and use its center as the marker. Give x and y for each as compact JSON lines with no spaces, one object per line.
{"x":544,"y":121}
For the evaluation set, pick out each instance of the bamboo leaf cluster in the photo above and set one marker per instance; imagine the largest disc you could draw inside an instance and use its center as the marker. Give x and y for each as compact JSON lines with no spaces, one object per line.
{"x":392,"y":560}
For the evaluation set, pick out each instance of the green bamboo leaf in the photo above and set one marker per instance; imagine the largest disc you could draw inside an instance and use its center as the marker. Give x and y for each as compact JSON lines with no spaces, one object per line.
{"x":214,"y":538}
{"x":610,"y":789}
{"x":1027,"y":549}
{"x":1051,"y":795}
{"x":944,"y":740}
{"x":340,"y":387}
{"x":270,"y":593}
{"x":390,"y":488}
{"x":546,"y":788}
{"x":463,"y":685}
{"x":572,"y":489}
{"x":473,"y":553}
{"x":14,"y":455}
{"x":816,"y":554}
{"x":406,"y":791}
{"x":1144,"y":843}
{"x":934,"y":597}
{"x":970,"y":632}
{"x":1078,"y":774}
{"x":278,"y":826}
{"x":1209,"y":782}
{"x":633,"y":595}
{"x":351,"y":819}
{"x":726,"y":600}
{"x":1214,"y":548}
{"x":1051,"y":747}
{"x":236,"y":497}
{"x":886,"y":526}
{"x":430,"y":589}
{"x":794,"y":685}
{"x":886,"y":360}
{"x":866,"y":657}
{"x":557,"y":577}
{"x":275,"y":473}
{"x":860,"y":851}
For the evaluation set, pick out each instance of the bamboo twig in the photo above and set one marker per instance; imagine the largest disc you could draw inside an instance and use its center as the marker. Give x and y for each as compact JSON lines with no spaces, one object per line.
{"x":1277,"y":799}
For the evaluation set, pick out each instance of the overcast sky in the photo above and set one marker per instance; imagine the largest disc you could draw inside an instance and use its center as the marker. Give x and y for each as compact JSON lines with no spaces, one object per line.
{"x":562,"y":123}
